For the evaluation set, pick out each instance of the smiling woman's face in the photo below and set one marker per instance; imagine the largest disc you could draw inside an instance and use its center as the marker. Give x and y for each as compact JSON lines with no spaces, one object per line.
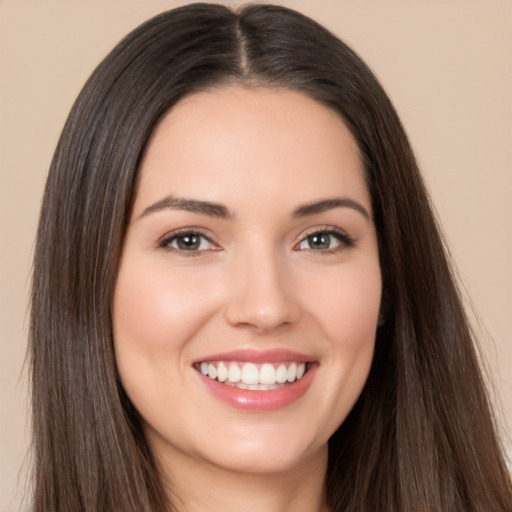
{"x":249,"y":285}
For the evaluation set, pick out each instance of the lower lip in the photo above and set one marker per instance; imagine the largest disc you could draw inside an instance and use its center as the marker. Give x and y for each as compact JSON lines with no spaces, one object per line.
{"x":260,"y":401}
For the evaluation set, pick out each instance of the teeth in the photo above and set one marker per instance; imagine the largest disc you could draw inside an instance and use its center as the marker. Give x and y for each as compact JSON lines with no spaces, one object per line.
{"x":256,"y":387}
{"x":268,"y":374}
{"x":291,"y":374}
{"x":281,"y":374}
{"x":234,"y":373}
{"x":222,"y":372}
{"x":251,"y":376}
{"x":212,"y":371}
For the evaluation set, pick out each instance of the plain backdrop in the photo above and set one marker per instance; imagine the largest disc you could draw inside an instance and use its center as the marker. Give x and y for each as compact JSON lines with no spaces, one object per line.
{"x":447,"y":66}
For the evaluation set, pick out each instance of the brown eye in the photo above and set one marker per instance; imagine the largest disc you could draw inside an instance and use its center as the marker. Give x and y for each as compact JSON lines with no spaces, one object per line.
{"x":187,"y":242}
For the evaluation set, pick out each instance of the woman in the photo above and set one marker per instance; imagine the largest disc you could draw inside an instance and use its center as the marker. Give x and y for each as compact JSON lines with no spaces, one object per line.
{"x":240,"y":295}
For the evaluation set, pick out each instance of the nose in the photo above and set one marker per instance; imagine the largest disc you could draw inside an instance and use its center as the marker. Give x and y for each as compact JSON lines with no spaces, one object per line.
{"x":262,"y":294}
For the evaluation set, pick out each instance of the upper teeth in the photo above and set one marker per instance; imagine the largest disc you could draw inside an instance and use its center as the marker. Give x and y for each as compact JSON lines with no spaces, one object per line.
{"x":253,"y":374}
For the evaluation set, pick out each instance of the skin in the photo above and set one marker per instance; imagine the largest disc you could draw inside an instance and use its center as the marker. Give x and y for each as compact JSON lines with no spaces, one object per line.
{"x":256,"y":281}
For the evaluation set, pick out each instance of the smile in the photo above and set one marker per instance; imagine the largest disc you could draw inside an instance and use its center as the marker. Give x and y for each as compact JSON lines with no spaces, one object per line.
{"x":257,"y":381}
{"x":253,"y":376}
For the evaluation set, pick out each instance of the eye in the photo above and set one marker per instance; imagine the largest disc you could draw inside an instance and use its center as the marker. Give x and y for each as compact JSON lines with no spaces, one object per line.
{"x":329,"y":240}
{"x":187,"y":241}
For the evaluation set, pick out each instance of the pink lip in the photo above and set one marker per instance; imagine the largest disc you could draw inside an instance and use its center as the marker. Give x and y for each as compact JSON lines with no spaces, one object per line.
{"x":260,"y":401}
{"x":256,"y":356}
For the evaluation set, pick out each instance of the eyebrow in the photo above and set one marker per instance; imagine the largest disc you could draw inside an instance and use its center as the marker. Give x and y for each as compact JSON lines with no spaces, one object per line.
{"x":220,"y":211}
{"x":329,"y":204}
{"x":190,"y":205}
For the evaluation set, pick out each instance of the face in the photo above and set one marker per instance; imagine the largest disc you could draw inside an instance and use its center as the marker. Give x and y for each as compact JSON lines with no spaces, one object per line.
{"x":249,"y":285}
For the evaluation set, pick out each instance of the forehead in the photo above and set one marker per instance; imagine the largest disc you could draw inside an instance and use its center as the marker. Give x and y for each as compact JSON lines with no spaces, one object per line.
{"x":236,"y":141}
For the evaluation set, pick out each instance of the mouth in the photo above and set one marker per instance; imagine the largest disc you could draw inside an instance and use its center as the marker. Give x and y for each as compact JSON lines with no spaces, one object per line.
{"x":254,"y":381}
{"x":253,"y":376}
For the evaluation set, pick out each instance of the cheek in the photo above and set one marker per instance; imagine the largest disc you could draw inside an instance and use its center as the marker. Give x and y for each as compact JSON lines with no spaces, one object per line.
{"x":347,"y":306}
{"x":351,"y":322}
{"x":156,"y":313}
{"x":156,"y":309}
{"x":347,"y":309}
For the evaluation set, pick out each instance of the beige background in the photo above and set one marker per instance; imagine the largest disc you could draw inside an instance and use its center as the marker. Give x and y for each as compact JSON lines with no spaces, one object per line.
{"x":447,"y":66}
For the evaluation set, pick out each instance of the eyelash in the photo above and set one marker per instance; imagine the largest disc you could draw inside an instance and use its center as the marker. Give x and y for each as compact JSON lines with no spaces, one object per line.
{"x":345,"y":241}
{"x":167,"y":240}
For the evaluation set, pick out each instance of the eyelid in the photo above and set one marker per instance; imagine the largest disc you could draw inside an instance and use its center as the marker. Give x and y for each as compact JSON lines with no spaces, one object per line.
{"x":165,"y":240}
{"x":346,"y":241}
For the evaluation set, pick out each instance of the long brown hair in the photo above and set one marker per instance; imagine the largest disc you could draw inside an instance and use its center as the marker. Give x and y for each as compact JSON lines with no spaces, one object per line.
{"x":421,"y":436}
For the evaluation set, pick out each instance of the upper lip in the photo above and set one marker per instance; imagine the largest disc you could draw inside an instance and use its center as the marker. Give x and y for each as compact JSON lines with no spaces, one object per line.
{"x":258,"y":356}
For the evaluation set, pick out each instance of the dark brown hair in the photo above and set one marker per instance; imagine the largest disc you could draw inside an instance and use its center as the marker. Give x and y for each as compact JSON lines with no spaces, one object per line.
{"x":421,"y":436}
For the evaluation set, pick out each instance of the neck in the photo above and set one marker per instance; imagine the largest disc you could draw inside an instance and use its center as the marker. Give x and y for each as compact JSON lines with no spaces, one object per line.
{"x":200,"y":487}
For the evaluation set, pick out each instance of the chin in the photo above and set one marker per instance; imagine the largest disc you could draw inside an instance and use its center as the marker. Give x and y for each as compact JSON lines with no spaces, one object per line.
{"x":271,"y":450}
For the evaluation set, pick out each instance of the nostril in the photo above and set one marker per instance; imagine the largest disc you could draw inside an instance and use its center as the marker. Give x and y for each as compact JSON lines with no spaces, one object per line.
{"x":263,"y":297}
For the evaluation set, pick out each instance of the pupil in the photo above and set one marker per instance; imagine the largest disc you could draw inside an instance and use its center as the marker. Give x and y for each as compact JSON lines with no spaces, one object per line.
{"x":319,"y":241}
{"x":188,"y":242}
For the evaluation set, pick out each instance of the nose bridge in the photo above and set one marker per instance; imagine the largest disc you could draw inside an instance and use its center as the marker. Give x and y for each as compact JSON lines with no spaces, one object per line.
{"x":261,"y":290}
